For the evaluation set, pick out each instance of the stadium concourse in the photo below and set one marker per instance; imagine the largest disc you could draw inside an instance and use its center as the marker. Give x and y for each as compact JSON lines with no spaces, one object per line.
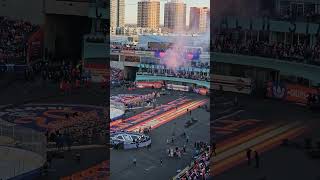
{"x":166,"y":121}
{"x":70,"y":121}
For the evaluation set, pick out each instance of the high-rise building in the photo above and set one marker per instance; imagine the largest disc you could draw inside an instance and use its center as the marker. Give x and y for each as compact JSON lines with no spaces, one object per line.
{"x":198,"y":21}
{"x":117,"y":11}
{"x":175,"y":15}
{"x":149,"y":14}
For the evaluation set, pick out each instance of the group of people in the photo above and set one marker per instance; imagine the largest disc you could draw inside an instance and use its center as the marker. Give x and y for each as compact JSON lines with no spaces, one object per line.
{"x":137,"y":100}
{"x":68,"y":75}
{"x":78,"y":130}
{"x":176,"y":152}
{"x":143,"y":101}
{"x":141,"y":139}
{"x":299,"y":52}
{"x":313,"y":99}
{"x":13,"y":41}
{"x":127,"y":47}
{"x":116,"y":77}
{"x":200,"y":167}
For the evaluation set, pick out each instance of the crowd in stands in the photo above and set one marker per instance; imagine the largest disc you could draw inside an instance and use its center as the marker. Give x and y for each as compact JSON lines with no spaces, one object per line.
{"x":205,"y":65}
{"x":299,"y":52}
{"x":77,"y":129}
{"x":116,"y":74}
{"x":135,"y":100}
{"x":126,"y":47}
{"x":68,"y":75}
{"x":313,"y":99}
{"x":58,"y":72}
{"x":13,"y":39}
{"x":199,"y":169}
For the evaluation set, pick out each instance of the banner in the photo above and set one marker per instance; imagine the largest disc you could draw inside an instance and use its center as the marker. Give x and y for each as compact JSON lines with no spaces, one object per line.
{"x":204,"y":56}
{"x":159,"y":45}
{"x":202,"y":91}
{"x":127,"y":51}
{"x":98,"y":71}
{"x":233,"y":84}
{"x":290,"y":92}
{"x":178,"y":87}
{"x":149,"y":53}
{"x":140,"y":52}
{"x":115,"y":50}
{"x":157,"y":84}
{"x":35,"y":46}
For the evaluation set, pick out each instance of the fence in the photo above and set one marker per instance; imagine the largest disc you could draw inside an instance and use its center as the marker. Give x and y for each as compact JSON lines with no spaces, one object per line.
{"x":25,"y":149}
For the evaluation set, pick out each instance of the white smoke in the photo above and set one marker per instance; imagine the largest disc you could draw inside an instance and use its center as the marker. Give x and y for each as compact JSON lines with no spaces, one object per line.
{"x":174,"y":56}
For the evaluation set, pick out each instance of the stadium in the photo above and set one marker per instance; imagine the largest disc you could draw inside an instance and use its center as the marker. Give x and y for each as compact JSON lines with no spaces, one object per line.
{"x":266,"y":111}
{"x":53,"y":62}
{"x":163,"y":83}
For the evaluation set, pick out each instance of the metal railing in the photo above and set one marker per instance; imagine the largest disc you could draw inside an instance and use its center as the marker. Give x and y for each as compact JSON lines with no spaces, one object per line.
{"x":22,"y":138}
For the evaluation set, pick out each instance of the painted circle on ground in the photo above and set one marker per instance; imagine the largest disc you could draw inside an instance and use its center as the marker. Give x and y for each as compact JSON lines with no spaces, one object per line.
{"x":44,"y":117}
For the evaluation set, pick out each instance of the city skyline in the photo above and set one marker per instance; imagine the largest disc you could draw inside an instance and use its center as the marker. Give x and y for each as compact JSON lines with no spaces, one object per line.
{"x":131,"y":7}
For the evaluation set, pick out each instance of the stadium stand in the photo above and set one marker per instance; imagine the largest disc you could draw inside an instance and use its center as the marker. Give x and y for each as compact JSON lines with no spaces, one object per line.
{"x":13,"y":42}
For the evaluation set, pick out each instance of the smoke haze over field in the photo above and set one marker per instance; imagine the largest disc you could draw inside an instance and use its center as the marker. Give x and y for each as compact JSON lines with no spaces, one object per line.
{"x":174,"y":57}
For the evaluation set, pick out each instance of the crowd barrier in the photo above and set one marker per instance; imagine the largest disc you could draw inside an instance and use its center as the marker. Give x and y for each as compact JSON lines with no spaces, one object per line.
{"x":134,"y":146}
{"x":143,"y":84}
{"x":13,"y":68}
{"x":155,"y":84}
{"x":29,"y":175}
{"x":25,"y":139}
{"x":119,"y":106}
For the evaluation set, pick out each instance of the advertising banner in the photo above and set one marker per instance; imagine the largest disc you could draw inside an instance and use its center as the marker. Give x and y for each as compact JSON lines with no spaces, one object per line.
{"x":35,"y":44}
{"x":149,"y":53}
{"x":127,"y":52}
{"x":157,"y":84}
{"x":116,"y":51}
{"x":178,"y":87}
{"x":140,"y":52}
{"x":98,"y":71}
{"x":202,"y":91}
{"x":232,"y":84}
{"x":290,"y":92}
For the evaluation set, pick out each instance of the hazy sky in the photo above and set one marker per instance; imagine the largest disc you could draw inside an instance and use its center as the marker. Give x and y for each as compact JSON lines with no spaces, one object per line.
{"x":132,"y":7}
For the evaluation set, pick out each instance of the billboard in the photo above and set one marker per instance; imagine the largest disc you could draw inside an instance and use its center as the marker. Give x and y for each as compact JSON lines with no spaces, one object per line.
{"x":35,"y":46}
{"x":157,"y":84}
{"x":159,"y":45}
{"x":290,"y":92}
{"x":233,"y":84}
{"x":178,"y":87}
{"x":202,"y":91}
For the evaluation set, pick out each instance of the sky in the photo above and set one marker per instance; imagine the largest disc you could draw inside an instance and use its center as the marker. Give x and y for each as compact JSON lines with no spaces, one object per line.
{"x":132,"y":7}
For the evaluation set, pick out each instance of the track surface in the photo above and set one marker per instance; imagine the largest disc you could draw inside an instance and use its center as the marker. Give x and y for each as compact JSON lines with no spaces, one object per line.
{"x":269,"y":123}
{"x":156,"y":117}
